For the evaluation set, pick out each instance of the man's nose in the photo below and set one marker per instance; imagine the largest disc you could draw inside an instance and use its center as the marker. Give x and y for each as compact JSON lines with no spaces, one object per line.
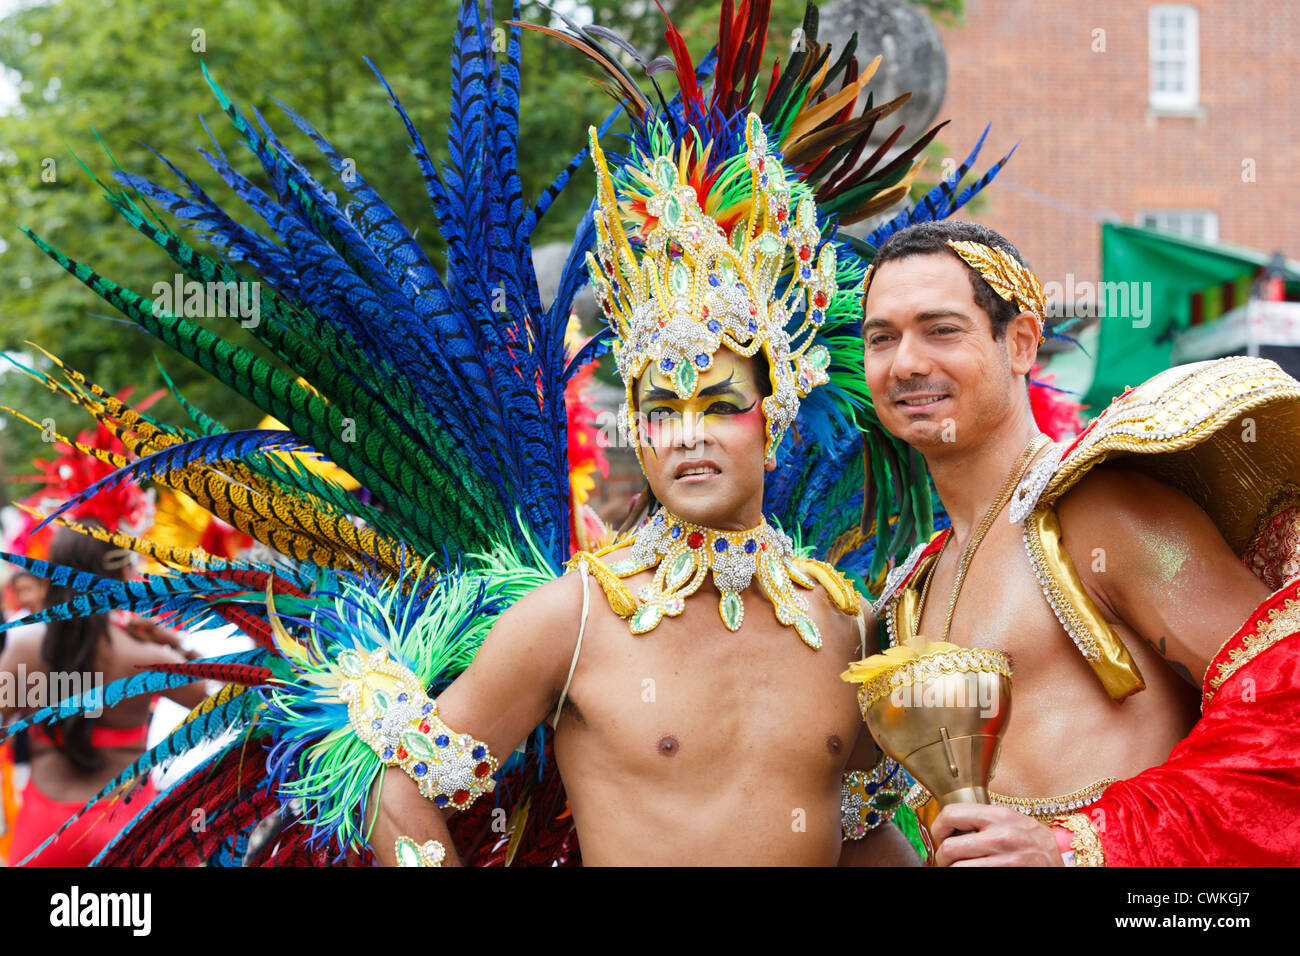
{"x":911,"y":358}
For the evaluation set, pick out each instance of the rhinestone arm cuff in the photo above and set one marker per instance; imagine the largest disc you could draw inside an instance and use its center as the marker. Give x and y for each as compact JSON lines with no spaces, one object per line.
{"x":410,"y":853}
{"x":869,"y":798}
{"x":390,"y":711}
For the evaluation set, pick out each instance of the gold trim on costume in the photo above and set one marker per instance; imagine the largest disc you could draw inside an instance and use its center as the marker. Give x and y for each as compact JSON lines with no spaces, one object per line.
{"x":1085,"y":843}
{"x":1282,"y":622}
{"x":1092,"y":634}
{"x":1042,"y":809}
{"x":620,"y":598}
{"x":410,"y":853}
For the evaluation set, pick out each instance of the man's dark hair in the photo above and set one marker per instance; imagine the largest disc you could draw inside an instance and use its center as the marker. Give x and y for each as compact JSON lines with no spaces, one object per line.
{"x":930,"y":237}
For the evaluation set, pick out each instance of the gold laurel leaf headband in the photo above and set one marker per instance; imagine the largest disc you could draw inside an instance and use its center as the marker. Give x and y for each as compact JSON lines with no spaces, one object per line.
{"x":1007,"y":277}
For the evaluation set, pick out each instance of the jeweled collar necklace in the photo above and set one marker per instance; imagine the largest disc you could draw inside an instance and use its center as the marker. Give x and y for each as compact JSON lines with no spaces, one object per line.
{"x":685,"y":553}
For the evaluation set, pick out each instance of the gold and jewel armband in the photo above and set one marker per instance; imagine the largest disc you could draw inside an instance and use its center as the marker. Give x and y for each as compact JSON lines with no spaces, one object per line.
{"x":410,"y":853}
{"x":390,"y":711}
{"x":868,"y":798}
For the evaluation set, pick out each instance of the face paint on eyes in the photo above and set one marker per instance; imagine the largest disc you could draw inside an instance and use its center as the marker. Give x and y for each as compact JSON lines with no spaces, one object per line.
{"x":725,"y":393}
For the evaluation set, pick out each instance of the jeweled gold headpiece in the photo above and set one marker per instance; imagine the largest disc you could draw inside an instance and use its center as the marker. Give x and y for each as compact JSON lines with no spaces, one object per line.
{"x":1007,"y":277}
{"x":698,"y":284}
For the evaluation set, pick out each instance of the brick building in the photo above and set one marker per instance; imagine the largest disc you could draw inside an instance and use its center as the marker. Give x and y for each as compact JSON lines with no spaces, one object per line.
{"x":1172,"y":115}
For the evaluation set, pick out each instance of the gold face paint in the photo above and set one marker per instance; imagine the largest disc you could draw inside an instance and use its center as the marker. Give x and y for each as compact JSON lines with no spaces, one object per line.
{"x":728,"y":399}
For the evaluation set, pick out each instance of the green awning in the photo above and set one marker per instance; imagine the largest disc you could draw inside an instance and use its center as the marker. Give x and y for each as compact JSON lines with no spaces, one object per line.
{"x":1160,"y":272}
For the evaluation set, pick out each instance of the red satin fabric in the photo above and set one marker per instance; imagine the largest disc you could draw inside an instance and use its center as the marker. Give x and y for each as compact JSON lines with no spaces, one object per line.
{"x":1229,"y":794}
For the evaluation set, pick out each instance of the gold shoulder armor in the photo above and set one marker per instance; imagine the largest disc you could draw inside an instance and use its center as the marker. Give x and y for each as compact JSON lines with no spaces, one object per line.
{"x":1225,"y":432}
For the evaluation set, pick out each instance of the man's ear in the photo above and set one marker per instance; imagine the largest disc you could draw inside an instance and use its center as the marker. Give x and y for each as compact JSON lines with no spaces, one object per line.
{"x":1022,"y":342}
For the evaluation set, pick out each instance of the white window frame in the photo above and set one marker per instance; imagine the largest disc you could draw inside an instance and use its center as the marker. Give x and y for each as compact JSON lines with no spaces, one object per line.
{"x":1189,"y":97}
{"x":1171,"y":220}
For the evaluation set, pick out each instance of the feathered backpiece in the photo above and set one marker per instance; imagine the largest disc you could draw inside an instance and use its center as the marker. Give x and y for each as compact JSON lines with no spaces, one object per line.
{"x":718,"y":226}
{"x":438,"y":392}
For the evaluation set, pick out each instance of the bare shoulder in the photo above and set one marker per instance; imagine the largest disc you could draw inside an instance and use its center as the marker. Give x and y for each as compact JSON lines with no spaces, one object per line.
{"x":545,"y":613}
{"x":23,"y":647}
{"x":1111,"y":503}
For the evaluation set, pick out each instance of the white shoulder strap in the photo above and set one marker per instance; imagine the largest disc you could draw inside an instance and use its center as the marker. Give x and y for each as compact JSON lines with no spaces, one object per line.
{"x":582,"y":627}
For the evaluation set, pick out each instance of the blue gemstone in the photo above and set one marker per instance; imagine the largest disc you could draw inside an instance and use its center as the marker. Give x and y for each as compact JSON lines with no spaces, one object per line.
{"x":440,"y":800}
{"x":750,"y":546}
{"x":659,"y":519}
{"x":420,"y":769}
{"x":666,"y":365}
{"x":478,"y":753}
{"x":388,"y":753}
{"x":763,"y":179}
{"x":817,"y":315}
{"x":805,"y":272}
{"x":871,"y":787}
{"x":753,"y":326}
{"x":377,"y":724}
{"x":427,"y":708}
{"x":714,"y":280}
{"x":677,"y":531}
{"x":402,"y":698}
{"x":701,"y":360}
{"x":442,"y":740}
{"x":654,"y":336}
{"x":873,"y":818}
{"x":785,"y":227}
{"x":720,"y":545}
{"x":714,"y":325}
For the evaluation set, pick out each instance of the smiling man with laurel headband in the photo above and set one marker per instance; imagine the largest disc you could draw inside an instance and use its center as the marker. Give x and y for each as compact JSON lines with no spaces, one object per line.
{"x":440,"y":676}
{"x":1142,"y":578}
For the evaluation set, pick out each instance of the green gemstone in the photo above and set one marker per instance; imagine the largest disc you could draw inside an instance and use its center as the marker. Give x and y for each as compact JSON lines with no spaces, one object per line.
{"x":381,"y":699}
{"x":418,"y":744}
{"x":807,"y":215}
{"x":680,"y":571}
{"x":680,"y":279}
{"x":739,"y":234}
{"x":826,"y":263}
{"x":623,"y":567}
{"x":769,"y":245}
{"x":808,"y":630}
{"x":408,"y":853}
{"x":733,"y":610}
{"x":350,"y":663}
{"x":727,"y":271}
{"x":685,"y":378}
{"x":646,"y":618}
{"x":672,"y":213}
{"x":818,"y":357}
{"x":665,"y":173}
{"x":886,"y":801}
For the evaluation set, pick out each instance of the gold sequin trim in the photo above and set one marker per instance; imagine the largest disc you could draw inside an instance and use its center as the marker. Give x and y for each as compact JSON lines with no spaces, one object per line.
{"x":1085,"y":843}
{"x":1056,"y":597}
{"x":1042,"y":809}
{"x":1282,"y":622}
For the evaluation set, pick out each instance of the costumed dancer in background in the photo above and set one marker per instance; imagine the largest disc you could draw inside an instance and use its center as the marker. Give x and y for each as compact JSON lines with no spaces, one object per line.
{"x":1151,"y":725}
{"x":450,"y":414}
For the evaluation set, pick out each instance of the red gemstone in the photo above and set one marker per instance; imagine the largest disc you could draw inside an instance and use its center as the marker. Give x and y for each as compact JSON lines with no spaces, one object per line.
{"x":781,"y":214}
{"x":705,"y":314}
{"x":819,"y":300}
{"x":753,"y":309}
{"x":401,"y":752}
{"x":460,"y":796}
{"x":805,"y":252}
{"x":694,"y":539}
{"x":763,"y":545}
{"x":425,"y":726}
{"x":482,"y":770}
